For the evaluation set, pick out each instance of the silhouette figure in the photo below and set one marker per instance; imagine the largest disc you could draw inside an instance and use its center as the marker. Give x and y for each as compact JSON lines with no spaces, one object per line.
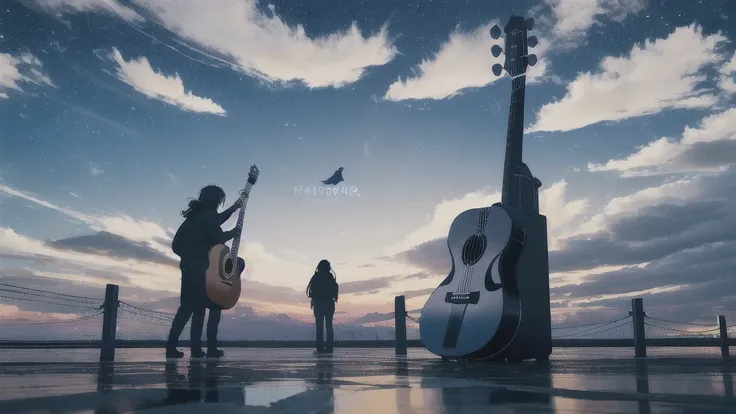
{"x":192,"y":243}
{"x":336,"y":177}
{"x":323,"y":290}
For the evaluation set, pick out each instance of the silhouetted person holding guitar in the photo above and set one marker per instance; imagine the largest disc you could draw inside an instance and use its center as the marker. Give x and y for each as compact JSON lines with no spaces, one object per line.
{"x":323,"y":290}
{"x":192,"y":243}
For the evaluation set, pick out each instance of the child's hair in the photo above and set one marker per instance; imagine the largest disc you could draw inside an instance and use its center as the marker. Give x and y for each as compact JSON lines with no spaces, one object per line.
{"x":323,"y":266}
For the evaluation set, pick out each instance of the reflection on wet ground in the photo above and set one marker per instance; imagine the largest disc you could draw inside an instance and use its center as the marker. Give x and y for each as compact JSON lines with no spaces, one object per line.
{"x":368,"y":381}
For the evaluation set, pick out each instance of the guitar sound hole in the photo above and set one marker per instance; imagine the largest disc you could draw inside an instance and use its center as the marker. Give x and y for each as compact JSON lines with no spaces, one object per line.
{"x":228,"y":266}
{"x":474,"y":248}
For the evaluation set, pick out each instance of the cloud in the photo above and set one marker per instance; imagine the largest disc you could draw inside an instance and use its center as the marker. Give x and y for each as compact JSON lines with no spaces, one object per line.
{"x":139,"y":74}
{"x":710,"y":146}
{"x":172,"y":177}
{"x":15,"y":70}
{"x":654,"y":77}
{"x":728,"y":76}
{"x":702,"y":277}
{"x":96,"y":171}
{"x":261,"y":44}
{"x":108,"y":244}
{"x":463,"y":61}
{"x":362,"y":286}
{"x":702,"y":215}
{"x":427,"y":245}
{"x":148,"y":232}
{"x":410,"y":294}
{"x":82,"y":6}
{"x":573,"y":18}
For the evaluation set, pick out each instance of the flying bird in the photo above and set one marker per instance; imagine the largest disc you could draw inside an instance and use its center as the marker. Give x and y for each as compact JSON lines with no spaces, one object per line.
{"x":336,"y":177}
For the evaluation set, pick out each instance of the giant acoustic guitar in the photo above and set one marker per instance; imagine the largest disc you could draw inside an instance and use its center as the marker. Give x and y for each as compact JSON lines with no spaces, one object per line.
{"x":476,"y":311}
{"x":222,"y":281}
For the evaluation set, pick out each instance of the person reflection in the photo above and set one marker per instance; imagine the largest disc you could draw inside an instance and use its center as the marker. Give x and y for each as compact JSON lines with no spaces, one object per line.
{"x":177,"y":390}
{"x":212,"y":389}
{"x":324,"y":372}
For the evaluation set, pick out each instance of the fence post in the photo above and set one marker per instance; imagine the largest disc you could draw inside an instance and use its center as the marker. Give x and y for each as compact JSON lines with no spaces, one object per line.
{"x":637,"y":311}
{"x":724,"y":335}
{"x":109,"y":323}
{"x":400,"y":324}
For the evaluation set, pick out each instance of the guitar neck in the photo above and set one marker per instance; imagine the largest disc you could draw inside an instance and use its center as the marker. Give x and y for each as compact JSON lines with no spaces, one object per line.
{"x":241,"y":215}
{"x":511,"y":191}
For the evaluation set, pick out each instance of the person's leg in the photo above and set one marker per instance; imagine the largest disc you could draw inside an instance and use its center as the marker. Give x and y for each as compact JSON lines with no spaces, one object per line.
{"x":180,"y":320}
{"x":319,"y":322}
{"x":196,"y":332}
{"x":177,"y":327}
{"x":328,"y":324}
{"x":212,"y":324}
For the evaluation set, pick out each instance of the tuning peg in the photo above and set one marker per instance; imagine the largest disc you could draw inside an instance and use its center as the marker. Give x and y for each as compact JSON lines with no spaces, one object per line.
{"x":496,"y":50}
{"x":529,"y":24}
{"x":495,"y":31}
{"x":497,"y":68}
{"x":532,"y":60}
{"x":532,"y":41}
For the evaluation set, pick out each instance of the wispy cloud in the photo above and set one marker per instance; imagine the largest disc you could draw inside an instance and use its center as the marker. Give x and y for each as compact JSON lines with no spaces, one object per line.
{"x":172,"y":177}
{"x":96,"y":171}
{"x":709,"y":147}
{"x":139,"y":74}
{"x":82,"y":6}
{"x":728,"y":75}
{"x":260,"y":44}
{"x":573,"y":18}
{"x":653,"y":77}
{"x":462,"y":62}
{"x":15,"y":70}
{"x":263,"y":45}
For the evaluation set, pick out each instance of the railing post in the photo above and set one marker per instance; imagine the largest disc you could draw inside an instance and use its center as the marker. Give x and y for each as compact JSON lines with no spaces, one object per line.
{"x":400,"y":324}
{"x":109,"y":323}
{"x":724,"y":335}
{"x":637,"y":311}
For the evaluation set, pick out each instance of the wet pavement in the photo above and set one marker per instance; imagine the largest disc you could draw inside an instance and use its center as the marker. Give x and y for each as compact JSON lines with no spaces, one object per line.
{"x":355,"y":381}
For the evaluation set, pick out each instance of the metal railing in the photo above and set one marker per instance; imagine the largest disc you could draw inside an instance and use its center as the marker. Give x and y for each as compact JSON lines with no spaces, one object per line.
{"x":636,"y":330}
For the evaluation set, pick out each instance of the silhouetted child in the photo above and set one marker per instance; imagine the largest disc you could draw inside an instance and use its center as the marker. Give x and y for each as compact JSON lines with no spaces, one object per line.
{"x":323,"y":290}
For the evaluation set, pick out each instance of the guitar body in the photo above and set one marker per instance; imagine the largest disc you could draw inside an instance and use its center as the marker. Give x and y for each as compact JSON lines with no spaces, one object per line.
{"x":222,"y":279}
{"x":475,"y":312}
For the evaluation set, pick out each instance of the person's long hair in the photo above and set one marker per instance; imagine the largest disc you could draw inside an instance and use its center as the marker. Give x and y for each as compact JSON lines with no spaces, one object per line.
{"x":210,"y":196}
{"x":322,"y":267}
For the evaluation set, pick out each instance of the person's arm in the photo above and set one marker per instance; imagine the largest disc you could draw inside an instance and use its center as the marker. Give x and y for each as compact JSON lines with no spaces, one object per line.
{"x":337,"y":290}
{"x":225,"y":215}
{"x":213,"y":230}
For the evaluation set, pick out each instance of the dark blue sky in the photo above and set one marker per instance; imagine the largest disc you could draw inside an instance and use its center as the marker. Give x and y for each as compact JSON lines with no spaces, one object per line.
{"x":90,"y":141}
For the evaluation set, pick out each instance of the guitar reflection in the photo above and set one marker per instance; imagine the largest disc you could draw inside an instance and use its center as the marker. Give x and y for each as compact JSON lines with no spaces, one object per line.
{"x":455,"y":398}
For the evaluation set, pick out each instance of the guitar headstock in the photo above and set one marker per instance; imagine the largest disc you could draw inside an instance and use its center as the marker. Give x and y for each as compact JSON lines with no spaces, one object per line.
{"x":253,"y":174}
{"x":516,"y":45}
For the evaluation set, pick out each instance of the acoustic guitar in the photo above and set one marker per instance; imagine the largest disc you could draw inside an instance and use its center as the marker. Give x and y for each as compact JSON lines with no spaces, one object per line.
{"x":222,"y":281}
{"x":476,"y":311}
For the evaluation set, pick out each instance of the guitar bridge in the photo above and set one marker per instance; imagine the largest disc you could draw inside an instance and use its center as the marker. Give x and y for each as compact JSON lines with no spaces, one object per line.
{"x":227,"y":282}
{"x":462,"y":298}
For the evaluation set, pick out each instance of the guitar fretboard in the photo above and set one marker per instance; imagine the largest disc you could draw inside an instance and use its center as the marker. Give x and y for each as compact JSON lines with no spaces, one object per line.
{"x":239,"y":226}
{"x":510,"y":193}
